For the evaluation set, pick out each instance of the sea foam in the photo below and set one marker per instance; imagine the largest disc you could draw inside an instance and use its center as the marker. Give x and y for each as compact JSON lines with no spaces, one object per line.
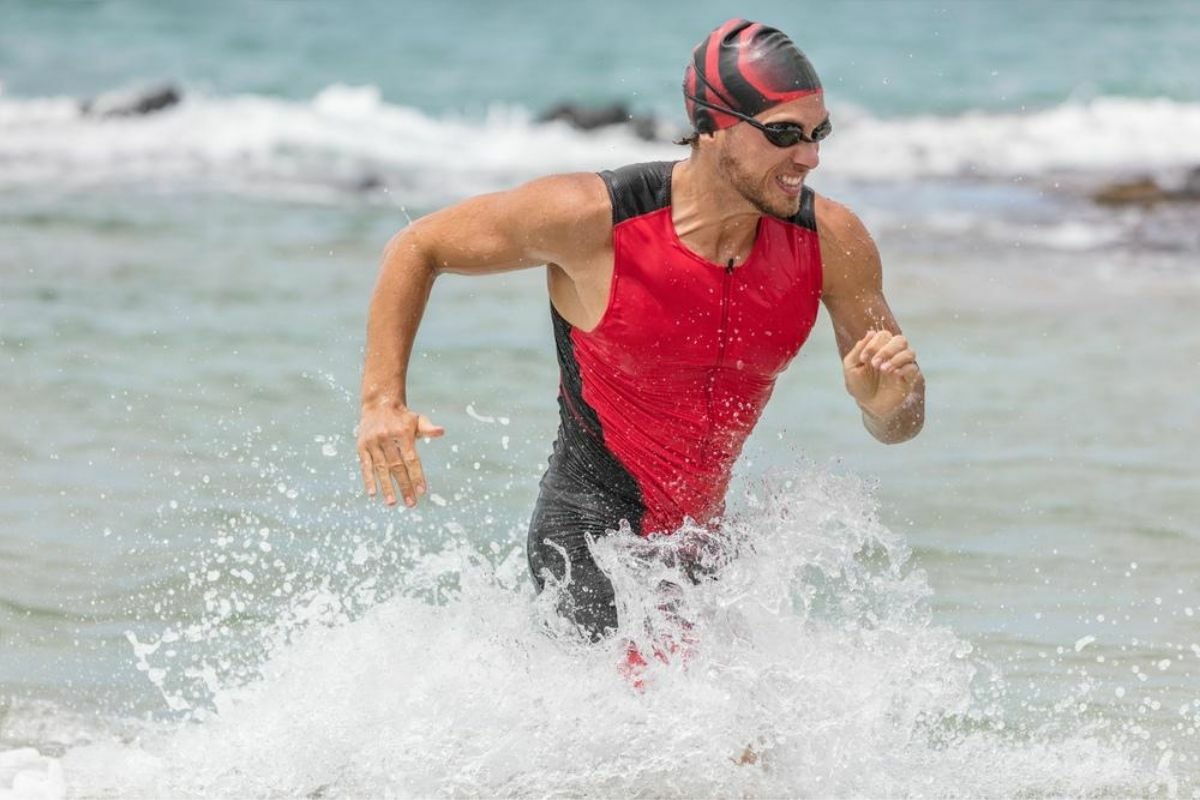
{"x":803,"y":662}
{"x":349,"y":139}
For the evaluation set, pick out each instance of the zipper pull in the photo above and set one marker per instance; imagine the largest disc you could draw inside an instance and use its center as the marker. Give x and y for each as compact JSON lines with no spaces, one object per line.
{"x":729,"y":267}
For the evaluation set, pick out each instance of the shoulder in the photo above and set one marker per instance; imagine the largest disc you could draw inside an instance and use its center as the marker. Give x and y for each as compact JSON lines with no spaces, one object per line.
{"x":840,"y":228}
{"x":849,"y":255}
{"x":545,"y":202}
{"x":576,"y":195}
{"x":561,"y":215}
{"x":605,"y":198}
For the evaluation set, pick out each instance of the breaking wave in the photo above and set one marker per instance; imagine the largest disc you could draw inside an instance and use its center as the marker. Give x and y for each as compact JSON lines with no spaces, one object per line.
{"x":349,"y":138}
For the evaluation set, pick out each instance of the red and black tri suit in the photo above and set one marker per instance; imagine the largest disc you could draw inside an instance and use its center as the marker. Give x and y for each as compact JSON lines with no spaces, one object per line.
{"x":656,"y":401}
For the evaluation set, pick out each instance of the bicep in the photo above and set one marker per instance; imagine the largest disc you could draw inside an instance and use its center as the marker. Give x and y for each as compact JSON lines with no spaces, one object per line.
{"x":542,"y":221}
{"x":853,"y":280}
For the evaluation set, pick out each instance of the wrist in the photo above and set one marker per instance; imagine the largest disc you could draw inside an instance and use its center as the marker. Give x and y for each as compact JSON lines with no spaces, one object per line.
{"x":383,"y":402}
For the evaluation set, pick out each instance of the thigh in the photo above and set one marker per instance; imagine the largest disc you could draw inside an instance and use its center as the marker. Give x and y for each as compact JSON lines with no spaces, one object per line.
{"x":557,"y":546}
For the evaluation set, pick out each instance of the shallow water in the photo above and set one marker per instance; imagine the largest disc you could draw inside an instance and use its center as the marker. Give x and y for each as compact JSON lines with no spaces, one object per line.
{"x":813,"y":648}
{"x":192,"y":413}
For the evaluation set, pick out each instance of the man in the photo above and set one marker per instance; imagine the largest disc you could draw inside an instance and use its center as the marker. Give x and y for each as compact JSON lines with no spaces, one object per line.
{"x":678,"y":293}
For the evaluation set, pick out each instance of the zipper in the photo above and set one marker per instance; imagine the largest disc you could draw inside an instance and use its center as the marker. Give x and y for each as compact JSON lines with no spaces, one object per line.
{"x":722,"y":342}
{"x":723,"y":331}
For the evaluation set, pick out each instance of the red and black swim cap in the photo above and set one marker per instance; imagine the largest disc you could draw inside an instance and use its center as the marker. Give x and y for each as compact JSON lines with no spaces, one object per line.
{"x":747,"y":67}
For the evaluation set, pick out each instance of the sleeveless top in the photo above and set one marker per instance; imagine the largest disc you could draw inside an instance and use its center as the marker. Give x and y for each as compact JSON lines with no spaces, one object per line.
{"x":656,"y":401}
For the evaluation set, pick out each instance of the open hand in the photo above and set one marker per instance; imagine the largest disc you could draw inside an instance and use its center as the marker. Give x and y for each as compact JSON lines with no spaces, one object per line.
{"x":881,"y":371}
{"x":387,"y":451}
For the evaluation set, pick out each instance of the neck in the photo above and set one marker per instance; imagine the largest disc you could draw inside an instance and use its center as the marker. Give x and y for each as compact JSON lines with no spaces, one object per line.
{"x":711,"y":217}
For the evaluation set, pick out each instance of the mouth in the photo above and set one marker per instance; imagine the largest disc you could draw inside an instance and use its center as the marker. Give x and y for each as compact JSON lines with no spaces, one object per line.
{"x":790,"y":184}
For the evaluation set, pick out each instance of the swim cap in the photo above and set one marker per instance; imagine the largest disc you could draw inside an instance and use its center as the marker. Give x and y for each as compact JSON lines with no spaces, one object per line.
{"x":747,"y":67}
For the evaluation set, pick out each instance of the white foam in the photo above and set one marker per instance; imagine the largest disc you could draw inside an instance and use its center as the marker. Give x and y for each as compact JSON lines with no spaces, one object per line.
{"x":1105,"y":134}
{"x":343,"y":136}
{"x":814,"y":649}
{"x":347,"y":137}
{"x":25,"y":774}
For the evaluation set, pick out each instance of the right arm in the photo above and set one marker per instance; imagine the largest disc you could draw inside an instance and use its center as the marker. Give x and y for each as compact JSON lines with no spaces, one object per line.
{"x":560,"y":220}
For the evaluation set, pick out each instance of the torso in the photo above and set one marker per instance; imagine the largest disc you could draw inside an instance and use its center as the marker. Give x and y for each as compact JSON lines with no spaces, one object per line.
{"x":668,"y":358}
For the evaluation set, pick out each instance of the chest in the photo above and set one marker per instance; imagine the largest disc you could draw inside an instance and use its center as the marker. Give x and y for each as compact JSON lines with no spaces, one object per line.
{"x":671,"y":309}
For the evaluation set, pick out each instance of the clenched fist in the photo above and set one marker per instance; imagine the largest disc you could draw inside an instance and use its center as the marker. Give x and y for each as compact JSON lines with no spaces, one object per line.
{"x":881,"y":371}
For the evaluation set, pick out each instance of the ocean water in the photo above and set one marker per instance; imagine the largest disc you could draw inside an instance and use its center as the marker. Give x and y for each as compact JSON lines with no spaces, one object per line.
{"x":197,"y":601}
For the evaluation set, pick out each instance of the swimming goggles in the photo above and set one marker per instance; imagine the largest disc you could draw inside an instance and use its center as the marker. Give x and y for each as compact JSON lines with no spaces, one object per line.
{"x":780,"y":134}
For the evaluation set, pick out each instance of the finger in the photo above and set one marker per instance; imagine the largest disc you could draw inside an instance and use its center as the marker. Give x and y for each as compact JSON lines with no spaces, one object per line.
{"x":890,"y":348}
{"x":854,"y":356}
{"x":368,"y":476}
{"x":872,"y":347}
{"x":398,"y":470}
{"x":898,"y":360}
{"x":413,"y":464}
{"x":382,"y":475}
{"x":427,"y":428}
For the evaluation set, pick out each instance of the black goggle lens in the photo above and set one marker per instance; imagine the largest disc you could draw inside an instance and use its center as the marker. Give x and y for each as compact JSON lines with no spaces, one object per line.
{"x":787,"y":134}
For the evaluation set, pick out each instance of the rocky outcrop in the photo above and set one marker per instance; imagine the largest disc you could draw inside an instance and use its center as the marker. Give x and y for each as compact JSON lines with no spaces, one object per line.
{"x":1146,"y":191}
{"x":131,"y":102}
{"x":587,"y":118}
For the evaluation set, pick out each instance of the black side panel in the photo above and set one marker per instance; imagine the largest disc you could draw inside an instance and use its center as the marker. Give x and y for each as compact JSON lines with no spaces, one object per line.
{"x":806,"y":217}
{"x":638,"y":188}
{"x":586,"y":491}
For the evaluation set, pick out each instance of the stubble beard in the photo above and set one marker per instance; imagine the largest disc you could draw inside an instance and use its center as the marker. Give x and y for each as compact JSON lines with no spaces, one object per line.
{"x":745,"y":185}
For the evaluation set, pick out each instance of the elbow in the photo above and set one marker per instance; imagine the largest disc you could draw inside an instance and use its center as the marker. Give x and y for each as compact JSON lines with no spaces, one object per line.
{"x":904,"y":433}
{"x":407,"y":250}
{"x":912,"y":421}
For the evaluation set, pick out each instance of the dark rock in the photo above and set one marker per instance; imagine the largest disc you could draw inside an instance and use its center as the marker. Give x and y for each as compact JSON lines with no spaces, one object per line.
{"x":368,"y":182}
{"x":1146,"y":191}
{"x":1191,"y":185}
{"x":585,"y":119}
{"x":645,"y":127}
{"x":133,"y":102}
{"x":1140,"y":191}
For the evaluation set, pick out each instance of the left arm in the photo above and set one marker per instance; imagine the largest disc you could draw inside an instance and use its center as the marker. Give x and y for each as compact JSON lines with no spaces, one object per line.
{"x":879,"y":366}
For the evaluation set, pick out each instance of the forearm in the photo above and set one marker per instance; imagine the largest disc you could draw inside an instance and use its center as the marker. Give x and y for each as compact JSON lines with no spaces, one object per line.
{"x":901,"y":424}
{"x":406,"y":278}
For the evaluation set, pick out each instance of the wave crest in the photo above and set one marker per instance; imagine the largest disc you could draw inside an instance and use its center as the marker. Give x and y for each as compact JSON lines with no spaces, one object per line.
{"x":349,"y":138}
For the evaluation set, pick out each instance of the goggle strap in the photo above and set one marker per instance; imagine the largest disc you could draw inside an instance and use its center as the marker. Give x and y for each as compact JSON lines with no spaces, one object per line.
{"x":722,"y":109}
{"x":809,"y":137}
{"x":714,"y":90}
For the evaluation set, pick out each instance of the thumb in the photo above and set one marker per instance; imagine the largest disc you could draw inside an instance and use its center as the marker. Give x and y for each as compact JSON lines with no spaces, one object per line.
{"x":426,"y":428}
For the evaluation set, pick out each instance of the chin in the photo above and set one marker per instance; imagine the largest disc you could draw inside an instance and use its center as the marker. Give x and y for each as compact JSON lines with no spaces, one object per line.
{"x":782,"y":208}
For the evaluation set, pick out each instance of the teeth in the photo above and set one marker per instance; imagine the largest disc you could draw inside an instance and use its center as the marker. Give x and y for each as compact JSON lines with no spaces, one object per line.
{"x":788,"y":181}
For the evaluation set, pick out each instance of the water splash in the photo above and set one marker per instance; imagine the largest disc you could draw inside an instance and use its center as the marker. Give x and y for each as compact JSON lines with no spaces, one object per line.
{"x":798,"y":658}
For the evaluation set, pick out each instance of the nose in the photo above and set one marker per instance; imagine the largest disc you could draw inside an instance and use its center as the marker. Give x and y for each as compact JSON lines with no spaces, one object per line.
{"x":807,"y":155}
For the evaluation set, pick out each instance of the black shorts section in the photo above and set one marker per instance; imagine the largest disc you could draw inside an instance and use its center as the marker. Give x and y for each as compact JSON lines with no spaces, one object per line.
{"x":585,"y":492}
{"x":638,"y":189}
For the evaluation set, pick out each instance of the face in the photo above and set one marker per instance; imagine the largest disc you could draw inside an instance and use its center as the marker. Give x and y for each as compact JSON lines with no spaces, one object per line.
{"x":770,"y":177}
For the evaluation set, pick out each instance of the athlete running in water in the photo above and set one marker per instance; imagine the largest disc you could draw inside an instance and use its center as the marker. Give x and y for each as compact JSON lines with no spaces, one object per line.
{"x":678,"y":291}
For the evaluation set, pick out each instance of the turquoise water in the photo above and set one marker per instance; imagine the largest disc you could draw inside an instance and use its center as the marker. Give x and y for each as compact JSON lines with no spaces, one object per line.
{"x":196,"y":600}
{"x":893,"y":58}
